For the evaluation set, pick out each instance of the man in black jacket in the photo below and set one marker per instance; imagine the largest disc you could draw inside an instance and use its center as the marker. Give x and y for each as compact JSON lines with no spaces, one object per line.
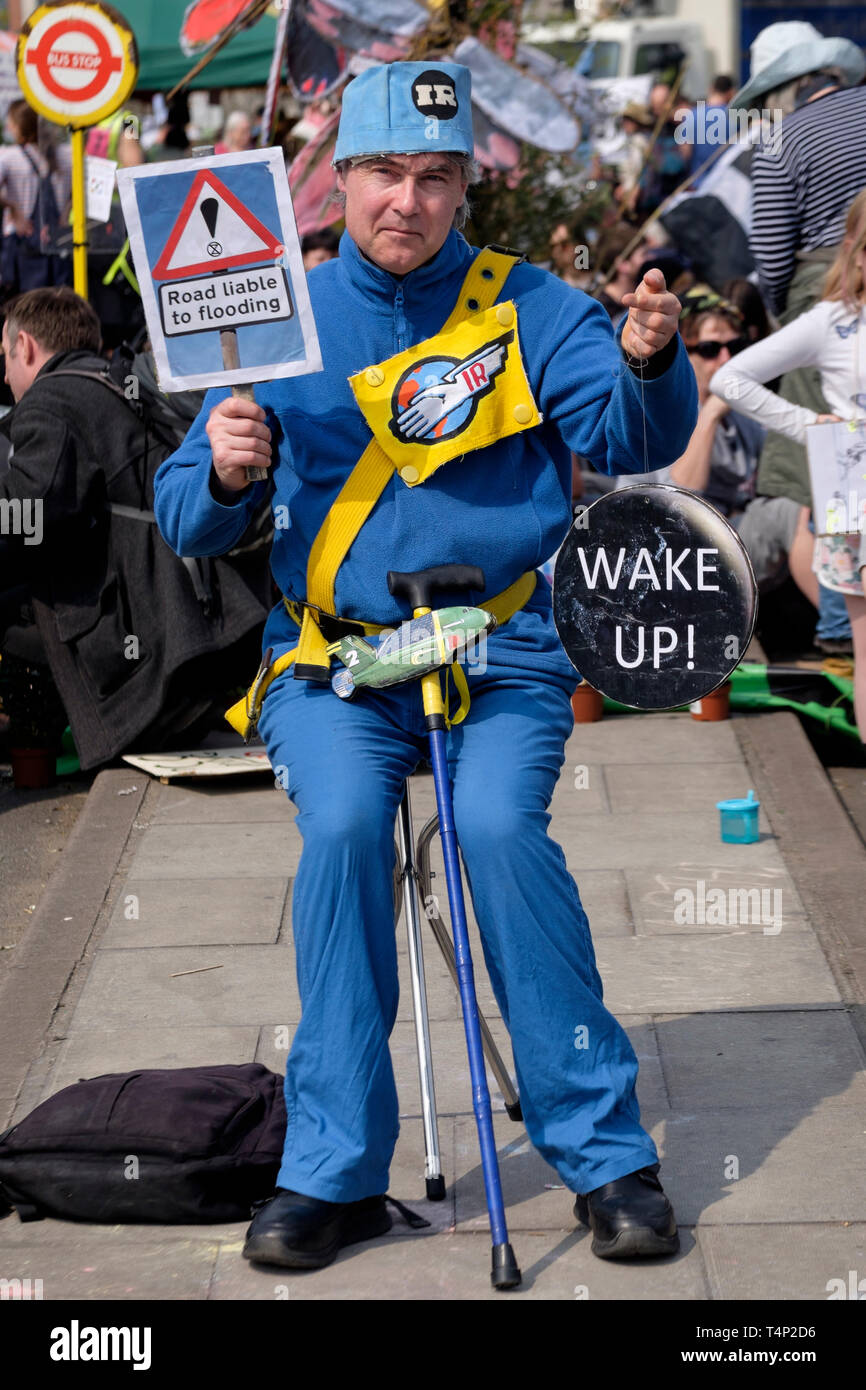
{"x":140,"y":643}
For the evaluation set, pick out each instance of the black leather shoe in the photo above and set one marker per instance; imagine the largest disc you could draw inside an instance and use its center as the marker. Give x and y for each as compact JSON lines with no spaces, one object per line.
{"x":298,"y":1232}
{"x":629,"y":1216}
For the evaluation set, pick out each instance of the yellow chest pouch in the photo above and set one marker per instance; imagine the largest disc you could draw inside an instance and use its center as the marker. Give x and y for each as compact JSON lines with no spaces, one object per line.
{"x":460,"y":390}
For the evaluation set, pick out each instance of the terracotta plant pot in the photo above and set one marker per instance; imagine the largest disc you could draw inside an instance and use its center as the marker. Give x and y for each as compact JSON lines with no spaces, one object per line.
{"x":587,"y":704}
{"x":33,"y":767}
{"x":717,"y":705}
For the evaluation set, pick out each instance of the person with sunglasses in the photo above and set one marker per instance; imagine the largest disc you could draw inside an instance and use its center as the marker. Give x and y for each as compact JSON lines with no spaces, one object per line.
{"x":722,"y":455}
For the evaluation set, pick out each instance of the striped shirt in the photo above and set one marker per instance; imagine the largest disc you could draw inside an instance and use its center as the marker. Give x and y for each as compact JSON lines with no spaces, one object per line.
{"x":19,"y":182}
{"x":803,"y":185}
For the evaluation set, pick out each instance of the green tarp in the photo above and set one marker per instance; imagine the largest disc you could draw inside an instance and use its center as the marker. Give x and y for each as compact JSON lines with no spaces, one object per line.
{"x":244,"y":62}
{"x":822,"y":695}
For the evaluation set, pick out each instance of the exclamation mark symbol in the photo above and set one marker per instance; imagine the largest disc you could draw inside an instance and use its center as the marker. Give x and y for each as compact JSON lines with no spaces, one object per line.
{"x":690,"y":643}
{"x":209,"y":208}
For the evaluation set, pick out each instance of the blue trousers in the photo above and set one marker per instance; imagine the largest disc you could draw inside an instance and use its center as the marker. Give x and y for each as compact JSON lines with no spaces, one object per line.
{"x":345,"y":767}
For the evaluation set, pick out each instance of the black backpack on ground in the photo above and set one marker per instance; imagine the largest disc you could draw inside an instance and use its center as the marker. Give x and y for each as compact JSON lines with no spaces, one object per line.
{"x":195,"y":1144}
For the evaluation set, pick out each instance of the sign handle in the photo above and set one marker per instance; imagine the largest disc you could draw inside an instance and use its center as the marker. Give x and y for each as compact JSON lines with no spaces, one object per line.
{"x":229,"y":336}
{"x":79,"y":215}
{"x":231,"y":362}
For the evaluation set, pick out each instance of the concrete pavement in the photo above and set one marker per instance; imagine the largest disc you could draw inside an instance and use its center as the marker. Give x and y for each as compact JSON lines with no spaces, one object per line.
{"x":745,"y":1006}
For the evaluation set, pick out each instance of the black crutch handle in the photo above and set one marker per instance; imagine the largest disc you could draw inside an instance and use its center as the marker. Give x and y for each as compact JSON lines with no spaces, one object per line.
{"x":418,"y":587}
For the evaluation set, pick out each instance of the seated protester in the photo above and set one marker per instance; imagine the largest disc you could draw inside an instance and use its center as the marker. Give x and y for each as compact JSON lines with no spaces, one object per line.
{"x":140,"y":644}
{"x":722,"y":457}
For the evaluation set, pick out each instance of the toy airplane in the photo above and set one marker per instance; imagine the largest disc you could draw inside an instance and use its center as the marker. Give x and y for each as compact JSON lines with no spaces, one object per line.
{"x":409,"y":652}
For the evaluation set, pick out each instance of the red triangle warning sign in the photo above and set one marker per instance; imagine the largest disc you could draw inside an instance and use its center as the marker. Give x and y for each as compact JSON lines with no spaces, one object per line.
{"x":214,"y":231}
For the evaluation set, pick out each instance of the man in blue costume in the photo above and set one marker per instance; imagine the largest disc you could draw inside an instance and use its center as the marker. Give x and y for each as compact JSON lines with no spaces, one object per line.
{"x":455,"y":384}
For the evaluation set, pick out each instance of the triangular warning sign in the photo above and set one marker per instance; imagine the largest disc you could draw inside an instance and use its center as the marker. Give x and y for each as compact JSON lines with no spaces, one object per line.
{"x":214,"y":231}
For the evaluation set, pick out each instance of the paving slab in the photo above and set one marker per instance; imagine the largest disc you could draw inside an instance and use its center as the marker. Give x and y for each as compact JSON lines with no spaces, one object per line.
{"x":683,"y":898}
{"x":626,"y":844}
{"x":196,"y":912}
{"x":659,"y":738}
{"x":675,"y":788}
{"x":215,"y":851}
{"x":88,"y":1267}
{"x":795,"y":1163}
{"x":582,"y":787}
{"x":273,"y":1045}
{"x":556,"y":1265}
{"x":677,"y":974}
{"x":50,"y":1232}
{"x":186,"y":803}
{"x":785,"y":1263}
{"x":94,"y":1053}
{"x":606,"y":902}
{"x":739,"y":1060}
{"x":136,"y":988}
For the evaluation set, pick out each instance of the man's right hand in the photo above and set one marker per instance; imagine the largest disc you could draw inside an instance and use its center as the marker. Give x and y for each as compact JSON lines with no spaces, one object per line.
{"x":239,"y":439}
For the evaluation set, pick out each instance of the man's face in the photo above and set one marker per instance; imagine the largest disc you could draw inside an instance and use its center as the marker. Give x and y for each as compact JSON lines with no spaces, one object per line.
{"x":19,"y":378}
{"x":561,"y":244}
{"x":720,"y":332}
{"x":400,"y":208}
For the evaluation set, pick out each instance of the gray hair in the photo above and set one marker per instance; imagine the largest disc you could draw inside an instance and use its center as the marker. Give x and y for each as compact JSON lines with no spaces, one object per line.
{"x":469,"y":168}
{"x":795,"y":93}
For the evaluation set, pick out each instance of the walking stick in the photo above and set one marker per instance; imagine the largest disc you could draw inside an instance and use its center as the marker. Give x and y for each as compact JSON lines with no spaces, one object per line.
{"x":418,"y":589}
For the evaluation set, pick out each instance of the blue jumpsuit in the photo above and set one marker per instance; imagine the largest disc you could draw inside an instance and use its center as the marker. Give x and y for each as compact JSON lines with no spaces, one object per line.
{"x":505,"y":508}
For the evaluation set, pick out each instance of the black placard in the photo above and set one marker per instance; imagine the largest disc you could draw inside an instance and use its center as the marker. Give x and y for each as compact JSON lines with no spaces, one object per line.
{"x":654,"y":597}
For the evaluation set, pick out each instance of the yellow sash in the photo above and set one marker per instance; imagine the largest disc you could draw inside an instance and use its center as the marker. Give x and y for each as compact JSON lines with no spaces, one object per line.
{"x":359,"y":495}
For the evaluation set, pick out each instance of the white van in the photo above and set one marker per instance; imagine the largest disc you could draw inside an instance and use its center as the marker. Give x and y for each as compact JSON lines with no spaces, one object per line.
{"x":616,"y":48}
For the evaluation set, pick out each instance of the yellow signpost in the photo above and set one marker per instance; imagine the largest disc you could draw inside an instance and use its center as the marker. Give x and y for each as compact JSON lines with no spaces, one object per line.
{"x":77,"y":63}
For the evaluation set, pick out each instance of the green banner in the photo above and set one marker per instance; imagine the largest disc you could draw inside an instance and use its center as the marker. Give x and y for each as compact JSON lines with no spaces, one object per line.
{"x":244,"y":62}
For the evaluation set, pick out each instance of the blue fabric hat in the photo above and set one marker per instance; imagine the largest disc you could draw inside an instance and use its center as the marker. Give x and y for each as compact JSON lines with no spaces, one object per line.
{"x":407,"y":108}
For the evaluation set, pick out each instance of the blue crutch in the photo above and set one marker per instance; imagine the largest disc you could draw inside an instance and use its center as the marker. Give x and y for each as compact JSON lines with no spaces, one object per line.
{"x":417,"y":589}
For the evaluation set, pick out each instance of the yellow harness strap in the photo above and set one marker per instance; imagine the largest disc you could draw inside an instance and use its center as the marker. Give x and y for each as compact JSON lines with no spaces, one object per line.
{"x":368,"y":479}
{"x":244,"y":715}
{"x":347,"y":514}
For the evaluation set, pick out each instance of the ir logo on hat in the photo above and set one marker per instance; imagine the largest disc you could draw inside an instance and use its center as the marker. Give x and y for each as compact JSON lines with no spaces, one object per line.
{"x":434,"y":95}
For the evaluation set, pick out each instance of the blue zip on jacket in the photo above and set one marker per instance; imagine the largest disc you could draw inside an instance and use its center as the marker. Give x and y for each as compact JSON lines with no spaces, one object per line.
{"x":506,"y":507}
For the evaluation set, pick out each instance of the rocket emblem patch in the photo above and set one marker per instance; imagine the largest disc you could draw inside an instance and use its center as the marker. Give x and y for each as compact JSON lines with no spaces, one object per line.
{"x":450,"y":395}
{"x":436,"y":398}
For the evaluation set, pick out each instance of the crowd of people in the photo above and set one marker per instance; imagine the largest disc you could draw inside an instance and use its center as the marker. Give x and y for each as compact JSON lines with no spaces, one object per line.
{"x":806,"y":240}
{"x":794,"y":324}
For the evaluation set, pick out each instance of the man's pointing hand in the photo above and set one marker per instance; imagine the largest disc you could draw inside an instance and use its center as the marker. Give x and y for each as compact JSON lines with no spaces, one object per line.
{"x":653,"y":315}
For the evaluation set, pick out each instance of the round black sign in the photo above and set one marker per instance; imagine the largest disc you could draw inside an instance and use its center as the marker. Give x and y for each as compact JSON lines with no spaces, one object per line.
{"x":654,"y":598}
{"x":434,"y":95}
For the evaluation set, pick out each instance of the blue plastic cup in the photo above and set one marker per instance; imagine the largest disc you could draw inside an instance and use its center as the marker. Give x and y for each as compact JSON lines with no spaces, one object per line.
{"x":739,"y":818}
